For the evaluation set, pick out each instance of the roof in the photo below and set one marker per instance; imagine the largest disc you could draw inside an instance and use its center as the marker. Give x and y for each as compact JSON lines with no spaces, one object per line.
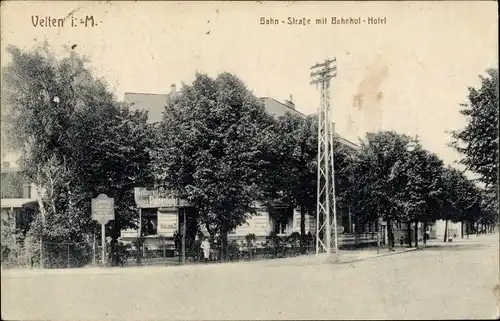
{"x":277,"y":108}
{"x":346,"y":142}
{"x":155,"y":104}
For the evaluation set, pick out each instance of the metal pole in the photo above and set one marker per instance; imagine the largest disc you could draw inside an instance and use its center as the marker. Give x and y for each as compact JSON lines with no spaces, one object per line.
{"x":328,"y":150}
{"x":140,"y":233}
{"x":318,"y":195}
{"x":378,"y":235}
{"x":323,"y":76}
{"x":140,"y":222}
{"x":183,"y":236}
{"x":93,"y":251}
{"x":164,"y":250}
{"x":334,"y":198}
{"x":103,"y":240}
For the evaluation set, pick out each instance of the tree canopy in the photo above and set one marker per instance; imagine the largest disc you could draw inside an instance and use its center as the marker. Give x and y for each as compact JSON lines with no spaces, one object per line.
{"x":76,"y":141}
{"x":478,"y":141}
{"x":213,"y":137}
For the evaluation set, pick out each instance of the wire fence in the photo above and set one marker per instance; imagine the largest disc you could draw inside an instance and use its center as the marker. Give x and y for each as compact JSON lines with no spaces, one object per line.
{"x":66,"y":255}
{"x":138,"y":252}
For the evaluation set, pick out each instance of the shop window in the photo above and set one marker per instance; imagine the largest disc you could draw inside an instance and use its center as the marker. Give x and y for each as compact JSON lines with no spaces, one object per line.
{"x":149,"y":221}
{"x":281,"y":220}
{"x":280,"y":225}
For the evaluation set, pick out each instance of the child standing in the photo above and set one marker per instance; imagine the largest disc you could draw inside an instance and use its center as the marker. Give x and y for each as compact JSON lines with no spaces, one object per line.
{"x":205,"y":246}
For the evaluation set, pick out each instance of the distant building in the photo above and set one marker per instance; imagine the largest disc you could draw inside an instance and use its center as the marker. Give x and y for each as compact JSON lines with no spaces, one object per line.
{"x":18,"y":195}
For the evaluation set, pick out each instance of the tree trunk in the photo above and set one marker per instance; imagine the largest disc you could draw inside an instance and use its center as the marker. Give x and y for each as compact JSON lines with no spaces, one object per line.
{"x":425,"y":233}
{"x":115,"y":230}
{"x":377,"y":229}
{"x":302,"y":221}
{"x":184,"y":229}
{"x":416,"y":234}
{"x":445,"y":239}
{"x":409,"y":233}
{"x":226,"y":244}
{"x":462,"y":229}
{"x":223,"y":245}
{"x":390,"y":235}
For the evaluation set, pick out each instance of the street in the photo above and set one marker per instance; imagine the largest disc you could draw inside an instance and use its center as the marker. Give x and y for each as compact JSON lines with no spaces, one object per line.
{"x":444,"y":281}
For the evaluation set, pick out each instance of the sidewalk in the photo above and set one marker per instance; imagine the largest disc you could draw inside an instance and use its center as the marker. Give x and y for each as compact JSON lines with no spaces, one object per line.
{"x":345,"y":256}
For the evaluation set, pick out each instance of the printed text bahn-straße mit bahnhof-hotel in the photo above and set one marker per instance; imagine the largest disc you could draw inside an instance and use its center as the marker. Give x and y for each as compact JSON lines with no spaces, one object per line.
{"x":324,"y":21}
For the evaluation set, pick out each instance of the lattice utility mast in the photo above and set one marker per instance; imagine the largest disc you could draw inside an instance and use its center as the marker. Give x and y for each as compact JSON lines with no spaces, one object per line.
{"x":321,"y":75}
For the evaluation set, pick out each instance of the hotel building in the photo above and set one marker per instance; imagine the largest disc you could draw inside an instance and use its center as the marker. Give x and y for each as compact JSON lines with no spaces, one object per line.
{"x":162,"y":216}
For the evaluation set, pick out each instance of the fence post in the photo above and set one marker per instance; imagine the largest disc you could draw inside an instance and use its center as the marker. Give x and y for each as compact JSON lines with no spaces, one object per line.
{"x":93,"y":252}
{"x":164,"y":251}
{"x":30,"y":258}
{"x":41,"y":253}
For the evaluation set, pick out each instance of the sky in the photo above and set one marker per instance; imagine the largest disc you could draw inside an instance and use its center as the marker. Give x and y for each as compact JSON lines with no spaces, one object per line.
{"x":412,"y":72}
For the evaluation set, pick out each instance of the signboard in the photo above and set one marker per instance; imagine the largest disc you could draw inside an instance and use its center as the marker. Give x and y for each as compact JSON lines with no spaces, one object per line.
{"x":156,"y":198}
{"x":167,"y":223}
{"x":103,"y":209}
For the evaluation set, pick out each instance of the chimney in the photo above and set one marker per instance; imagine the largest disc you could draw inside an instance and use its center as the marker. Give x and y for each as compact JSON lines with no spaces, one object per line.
{"x":290,"y":103}
{"x":171,"y":94}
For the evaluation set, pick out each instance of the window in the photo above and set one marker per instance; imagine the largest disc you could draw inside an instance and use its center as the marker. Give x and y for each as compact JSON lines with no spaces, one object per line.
{"x":280,"y":225}
{"x":149,"y":221}
{"x":26,"y":190}
{"x":281,"y":219}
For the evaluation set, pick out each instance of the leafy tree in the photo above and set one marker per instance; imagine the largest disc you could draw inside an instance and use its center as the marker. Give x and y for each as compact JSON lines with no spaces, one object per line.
{"x":277,"y":188}
{"x":460,"y":200}
{"x":343,"y":158}
{"x":214,"y":139}
{"x":478,"y":141}
{"x":484,"y":211}
{"x":376,"y":181}
{"x":291,"y":170}
{"x":422,"y":187}
{"x":12,"y":184}
{"x":75,"y":139}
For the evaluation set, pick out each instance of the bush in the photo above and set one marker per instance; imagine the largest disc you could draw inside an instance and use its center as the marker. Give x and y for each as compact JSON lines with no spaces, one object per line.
{"x":65,"y":255}
{"x":194,"y":252}
{"x":138,"y":245}
{"x":233,"y":250}
{"x":250,"y":240}
{"x":275,"y":245}
{"x":16,"y":257}
{"x":119,"y":253}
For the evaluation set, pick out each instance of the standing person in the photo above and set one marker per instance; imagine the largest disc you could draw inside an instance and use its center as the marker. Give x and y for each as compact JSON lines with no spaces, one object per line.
{"x":205,"y":246}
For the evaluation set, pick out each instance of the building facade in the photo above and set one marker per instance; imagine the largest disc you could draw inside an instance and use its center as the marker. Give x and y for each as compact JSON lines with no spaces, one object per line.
{"x":162,"y":216}
{"x":18,"y":197}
